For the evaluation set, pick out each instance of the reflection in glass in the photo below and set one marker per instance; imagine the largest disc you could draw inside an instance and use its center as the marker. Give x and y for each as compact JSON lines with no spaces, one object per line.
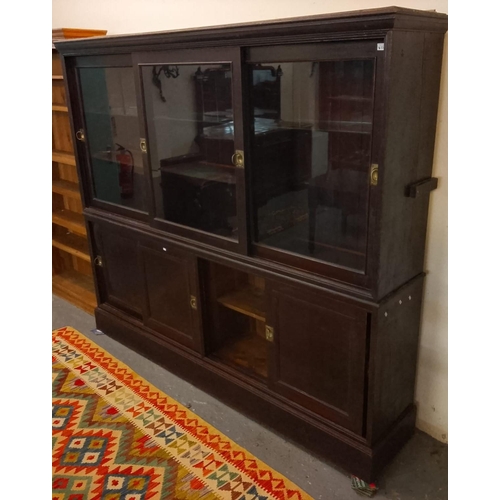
{"x":109,"y":105}
{"x":191,"y":142}
{"x":311,"y":157}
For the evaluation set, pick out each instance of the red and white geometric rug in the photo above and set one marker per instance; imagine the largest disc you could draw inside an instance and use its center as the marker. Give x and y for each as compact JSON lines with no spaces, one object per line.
{"x":117,"y":437}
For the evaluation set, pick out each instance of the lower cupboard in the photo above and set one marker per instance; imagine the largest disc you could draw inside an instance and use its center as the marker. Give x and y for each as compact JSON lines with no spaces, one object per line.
{"x":328,"y":370}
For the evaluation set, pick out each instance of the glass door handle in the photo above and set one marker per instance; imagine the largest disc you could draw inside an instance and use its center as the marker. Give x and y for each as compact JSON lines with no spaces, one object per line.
{"x":80,"y":135}
{"x":238,"y":159}
{"x":374,"y":174}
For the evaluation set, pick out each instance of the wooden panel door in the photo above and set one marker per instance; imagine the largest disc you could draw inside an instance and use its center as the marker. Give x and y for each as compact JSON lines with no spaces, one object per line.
{"x":118,"y":269}
{"x":319,"y":353}
{"x":171,"y":305}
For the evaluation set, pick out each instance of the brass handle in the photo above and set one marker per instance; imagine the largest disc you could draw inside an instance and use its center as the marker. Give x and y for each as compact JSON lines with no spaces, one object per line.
{"x":269,"y":333}
{"x":98,"y":261}
{"x":374,"y":175}
{"x":80,"y":135}
{"x":237,"y":159}
{"x":192,"y":302}
{"x":142,"y":144}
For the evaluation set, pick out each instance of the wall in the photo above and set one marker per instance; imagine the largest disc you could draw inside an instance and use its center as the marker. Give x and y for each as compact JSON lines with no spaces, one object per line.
{"x":134,"y":16}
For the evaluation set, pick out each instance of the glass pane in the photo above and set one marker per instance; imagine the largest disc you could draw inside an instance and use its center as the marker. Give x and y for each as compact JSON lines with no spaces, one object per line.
{"x":110,"y":108}
{"x":191,"y":142}
{"x":311,"y":157}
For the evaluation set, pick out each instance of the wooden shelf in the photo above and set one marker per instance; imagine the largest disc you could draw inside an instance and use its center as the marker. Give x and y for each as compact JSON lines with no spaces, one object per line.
{"x":66,"y":188}
{"x":70,"y":220}
{"x":63,"y":157}
{"x":76,"y":287}
{"x":71,"y":264}
{"x":248,"y":301}
{"x":73,"y":244}
{"x":58,"y":107}
{"x":248,"y":353}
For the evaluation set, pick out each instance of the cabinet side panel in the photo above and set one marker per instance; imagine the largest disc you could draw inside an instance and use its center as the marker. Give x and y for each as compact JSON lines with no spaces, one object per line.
{"x":412,"y":102}
{"x":431,"y":78}
{"x":394,"y":350}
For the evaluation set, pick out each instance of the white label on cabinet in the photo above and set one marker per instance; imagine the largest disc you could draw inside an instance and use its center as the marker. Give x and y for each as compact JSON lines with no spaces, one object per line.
{"x":380,"y":46}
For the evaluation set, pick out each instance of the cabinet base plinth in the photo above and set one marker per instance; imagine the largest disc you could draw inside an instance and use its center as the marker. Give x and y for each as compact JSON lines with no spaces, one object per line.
{"x":344,"y":450}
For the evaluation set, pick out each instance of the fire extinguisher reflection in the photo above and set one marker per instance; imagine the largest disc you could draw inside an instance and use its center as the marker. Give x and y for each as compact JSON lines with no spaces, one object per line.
{"x":126,"y":174}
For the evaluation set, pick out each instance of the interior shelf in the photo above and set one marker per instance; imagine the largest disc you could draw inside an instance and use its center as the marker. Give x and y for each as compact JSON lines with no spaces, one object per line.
{"x":248,"y":353}
{"x":72,"y":244}
{"x":58,"y":107}
{"x":76,"y":287}
{"x":70,"y":220}
{"x":63,"y":157}
{"x":248,"y":301}
{"x":66,"y":188}
{"x":57,"y":77}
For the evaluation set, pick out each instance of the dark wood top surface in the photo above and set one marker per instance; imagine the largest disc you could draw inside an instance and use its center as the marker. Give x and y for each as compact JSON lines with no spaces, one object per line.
{"x":384,"y":18}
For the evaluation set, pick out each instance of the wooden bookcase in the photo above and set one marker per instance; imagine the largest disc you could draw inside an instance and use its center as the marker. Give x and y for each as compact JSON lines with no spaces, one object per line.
{"x":71,"y":270}
{"x":256,"y":198}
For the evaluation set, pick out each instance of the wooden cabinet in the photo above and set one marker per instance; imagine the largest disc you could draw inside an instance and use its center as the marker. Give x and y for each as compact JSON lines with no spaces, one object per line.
{"x":256,"y":227}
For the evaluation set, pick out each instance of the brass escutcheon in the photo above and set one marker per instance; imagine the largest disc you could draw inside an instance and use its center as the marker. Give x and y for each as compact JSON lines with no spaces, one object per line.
{"x":374,"y":174}
{"x":237,"y":159}
{"x":80,"y":135}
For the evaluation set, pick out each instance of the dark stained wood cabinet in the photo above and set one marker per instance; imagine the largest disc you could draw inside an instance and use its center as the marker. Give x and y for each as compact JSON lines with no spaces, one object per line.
{"x":257,"y":201}
{"x":171,"y":298}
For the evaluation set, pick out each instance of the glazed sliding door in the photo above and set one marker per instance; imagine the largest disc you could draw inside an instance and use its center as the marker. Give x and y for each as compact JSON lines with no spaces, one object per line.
{"x":313,"y":153}
{"x":193,"y":140}
{"x":107,"y":132}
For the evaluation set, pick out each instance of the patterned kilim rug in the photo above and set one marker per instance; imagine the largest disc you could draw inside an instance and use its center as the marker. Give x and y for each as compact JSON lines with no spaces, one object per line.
{"x":116,"y":437}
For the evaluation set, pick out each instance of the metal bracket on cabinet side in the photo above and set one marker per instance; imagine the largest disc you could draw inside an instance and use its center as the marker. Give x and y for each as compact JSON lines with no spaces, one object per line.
{"x":419,"y":188}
